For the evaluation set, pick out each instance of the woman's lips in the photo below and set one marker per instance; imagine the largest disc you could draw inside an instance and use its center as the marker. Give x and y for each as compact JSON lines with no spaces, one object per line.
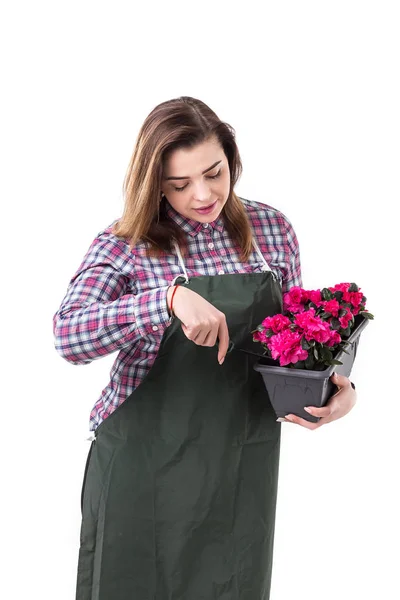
{"x":206,"y":210}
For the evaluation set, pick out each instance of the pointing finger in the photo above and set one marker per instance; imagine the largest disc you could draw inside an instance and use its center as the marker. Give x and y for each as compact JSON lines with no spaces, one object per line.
{"x":223,"y":337}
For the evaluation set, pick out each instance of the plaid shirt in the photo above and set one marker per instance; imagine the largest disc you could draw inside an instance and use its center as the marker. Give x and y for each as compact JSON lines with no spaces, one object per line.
{"x":116,"y":300}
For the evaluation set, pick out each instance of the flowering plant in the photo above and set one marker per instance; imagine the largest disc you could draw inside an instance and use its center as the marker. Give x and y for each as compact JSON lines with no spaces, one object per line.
{"x":314,"y":326}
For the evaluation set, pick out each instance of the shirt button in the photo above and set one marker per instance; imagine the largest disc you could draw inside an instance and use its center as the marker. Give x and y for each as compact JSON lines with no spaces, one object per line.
{"x":211,"y":246}
{"x":155,"y":328}
{"x":205,"y":225}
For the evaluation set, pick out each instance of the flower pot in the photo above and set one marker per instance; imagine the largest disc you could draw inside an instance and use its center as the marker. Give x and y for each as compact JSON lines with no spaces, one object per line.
{"x":290,"y":390}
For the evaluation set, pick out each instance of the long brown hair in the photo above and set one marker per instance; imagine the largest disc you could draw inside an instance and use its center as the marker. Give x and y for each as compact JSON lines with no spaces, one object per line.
{"x":181,"y":122}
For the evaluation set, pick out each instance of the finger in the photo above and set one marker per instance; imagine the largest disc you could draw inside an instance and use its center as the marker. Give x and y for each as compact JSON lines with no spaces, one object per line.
{"x":323,"y":411}
{"x":201,"y":337}
{"x":223,"y":344}
{"x":190,"y":332}
{"x":211,"y":339}
{"x":303,"y":422}
{"x":340,"y":380}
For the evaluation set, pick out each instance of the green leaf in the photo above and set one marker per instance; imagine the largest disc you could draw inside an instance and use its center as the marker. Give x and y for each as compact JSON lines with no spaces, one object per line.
{"x":325,"y":315}
{"x":309,"y":363}
{"x":353,"y":287}
{"x":319,"y":367}
{"x":335,"y":362}
{"x":335,"y":324}
{"x":304,"y":344}
{"x":299,"y":365}
{"x":338,"y":295}
{"x":342,"y":312}
{"x":342,"y":346}
{"x":367,"y":315}
{"x":316,"y":353}
{"x":326,"y":294}
{"x":326,"y":354}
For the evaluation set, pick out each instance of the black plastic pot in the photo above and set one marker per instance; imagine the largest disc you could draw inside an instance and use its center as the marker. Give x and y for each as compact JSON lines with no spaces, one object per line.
{"x":290,"y":390}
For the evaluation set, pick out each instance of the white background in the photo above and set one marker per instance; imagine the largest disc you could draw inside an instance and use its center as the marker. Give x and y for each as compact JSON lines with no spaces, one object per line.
{"x":312,"y":90}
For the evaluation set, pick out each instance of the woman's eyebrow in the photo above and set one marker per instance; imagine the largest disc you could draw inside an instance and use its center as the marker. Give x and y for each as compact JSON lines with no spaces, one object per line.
{"x":209,"y":169}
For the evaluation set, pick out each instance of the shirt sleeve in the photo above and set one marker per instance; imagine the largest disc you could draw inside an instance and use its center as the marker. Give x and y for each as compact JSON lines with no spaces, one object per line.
{"x":293,"y":274}
{"x":101,"y":312}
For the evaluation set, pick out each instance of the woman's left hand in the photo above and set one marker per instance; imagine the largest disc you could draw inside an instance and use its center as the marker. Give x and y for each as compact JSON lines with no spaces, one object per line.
{"x":337,"y":406}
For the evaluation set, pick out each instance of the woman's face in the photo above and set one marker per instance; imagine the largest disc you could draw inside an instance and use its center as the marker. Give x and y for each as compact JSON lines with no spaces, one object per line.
{"x":196,"y":181}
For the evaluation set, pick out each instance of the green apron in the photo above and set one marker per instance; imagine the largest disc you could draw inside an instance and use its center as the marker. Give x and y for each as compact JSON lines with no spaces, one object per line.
{"x":180,"y":484}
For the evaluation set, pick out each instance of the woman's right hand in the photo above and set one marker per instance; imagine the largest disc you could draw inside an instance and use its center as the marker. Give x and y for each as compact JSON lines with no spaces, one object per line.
{"x":202,"y":323}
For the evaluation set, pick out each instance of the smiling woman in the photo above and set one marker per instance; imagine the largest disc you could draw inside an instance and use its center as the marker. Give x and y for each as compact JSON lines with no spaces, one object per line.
{"x":179,"y":494}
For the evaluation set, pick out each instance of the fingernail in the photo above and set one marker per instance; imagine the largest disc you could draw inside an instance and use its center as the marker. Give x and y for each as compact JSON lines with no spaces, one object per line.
{"x":307,"y":409}
{"x":280,"y":420}
{"x":288,"y":417}
{"x":222,"y":360}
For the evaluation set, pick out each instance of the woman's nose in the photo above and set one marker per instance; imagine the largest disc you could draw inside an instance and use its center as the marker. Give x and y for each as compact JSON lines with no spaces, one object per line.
{"x":201,"y":191}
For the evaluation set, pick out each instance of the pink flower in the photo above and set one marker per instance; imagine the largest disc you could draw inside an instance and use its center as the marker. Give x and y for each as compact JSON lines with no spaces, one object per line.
{"x":277,"y":323}
{"x":340,"y":287}
{"x":293,"y":308}
{"x":294,"y":299}
{"x":354,"y":298}
{"x":260,"y":336}
{"x":286,"y":346}
{"x":315,"y":296}
{"x":296,"y":294}
{"x":314,"y":327}
{"x":345,"y":320}
{"x":332,"y":307}
{"x":335,"y":339}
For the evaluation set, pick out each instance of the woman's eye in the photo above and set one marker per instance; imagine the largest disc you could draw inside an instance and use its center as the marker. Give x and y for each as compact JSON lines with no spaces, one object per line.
{"x":180,"y":189}
{"x":215,"y":176}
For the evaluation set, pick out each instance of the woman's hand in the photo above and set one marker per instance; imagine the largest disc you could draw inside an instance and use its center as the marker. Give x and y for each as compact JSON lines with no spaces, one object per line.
{"x":201,"y":321}
{"x":337,"y":406}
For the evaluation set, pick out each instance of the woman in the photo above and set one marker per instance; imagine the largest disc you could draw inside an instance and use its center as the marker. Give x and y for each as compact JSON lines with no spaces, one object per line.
{"x":180,"y":485}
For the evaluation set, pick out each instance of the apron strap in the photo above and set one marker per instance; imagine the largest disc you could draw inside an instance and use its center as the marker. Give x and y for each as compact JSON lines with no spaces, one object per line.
{"x":178,"y":252}
{"x":265,"y":266}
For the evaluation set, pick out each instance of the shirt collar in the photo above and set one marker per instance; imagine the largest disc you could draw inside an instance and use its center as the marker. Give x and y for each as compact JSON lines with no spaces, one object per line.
{"x":191,"y":226}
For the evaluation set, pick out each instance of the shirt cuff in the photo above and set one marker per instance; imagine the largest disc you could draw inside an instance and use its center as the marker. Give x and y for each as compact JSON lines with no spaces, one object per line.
{"x":151,"y":312}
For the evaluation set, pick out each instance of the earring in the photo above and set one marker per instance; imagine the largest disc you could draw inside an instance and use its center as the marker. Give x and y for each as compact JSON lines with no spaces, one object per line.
{"x":162,"y":196}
